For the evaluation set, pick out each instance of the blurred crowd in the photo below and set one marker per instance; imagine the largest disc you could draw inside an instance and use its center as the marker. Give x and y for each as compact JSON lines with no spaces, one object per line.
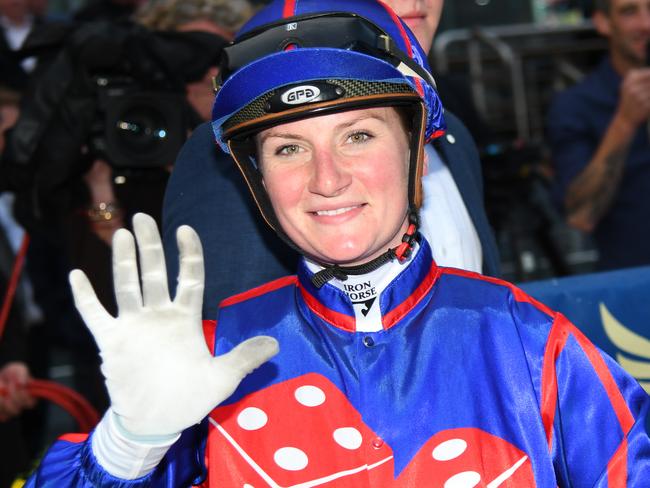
{"x":95,"y":105}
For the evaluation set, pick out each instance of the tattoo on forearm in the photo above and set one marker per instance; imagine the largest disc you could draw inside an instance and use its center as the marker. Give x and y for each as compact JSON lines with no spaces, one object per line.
{"x":593,"y":191}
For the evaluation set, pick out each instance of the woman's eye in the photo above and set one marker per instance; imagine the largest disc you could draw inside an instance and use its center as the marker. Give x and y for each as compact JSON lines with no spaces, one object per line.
{"x":359,"y":137}
{"x":288,"y":150}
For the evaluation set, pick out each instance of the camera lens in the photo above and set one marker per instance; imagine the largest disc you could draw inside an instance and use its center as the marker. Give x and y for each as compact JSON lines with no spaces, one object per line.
{"x":141,"y":128}
{"x":144,"y":130}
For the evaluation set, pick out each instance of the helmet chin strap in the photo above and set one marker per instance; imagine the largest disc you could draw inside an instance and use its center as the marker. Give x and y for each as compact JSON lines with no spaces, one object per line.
{"x":401,"y":252}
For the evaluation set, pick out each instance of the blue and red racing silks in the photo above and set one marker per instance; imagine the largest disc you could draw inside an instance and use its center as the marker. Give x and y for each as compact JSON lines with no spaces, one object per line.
{"x":469,"y":382}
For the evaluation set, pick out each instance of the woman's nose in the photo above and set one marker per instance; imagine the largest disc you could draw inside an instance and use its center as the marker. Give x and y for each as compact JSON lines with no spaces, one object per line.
{"x":330,"y":176}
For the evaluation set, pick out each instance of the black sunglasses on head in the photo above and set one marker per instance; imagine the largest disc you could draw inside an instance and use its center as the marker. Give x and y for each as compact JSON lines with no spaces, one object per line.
{"x":340,"y":30}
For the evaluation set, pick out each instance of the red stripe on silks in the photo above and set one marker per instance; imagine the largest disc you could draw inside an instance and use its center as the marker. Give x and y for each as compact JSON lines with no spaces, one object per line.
{"x":289,"y":8}
{"x":554,"y":346}
{"x":260,"y":290}
{"x":520,"y":295}
{"x":555,"y":343}
{"x":395,"y":315}
{"x":333,"y":317}
{"x":76,"y":438}
{"x":617,"y":467}
{"x":209,"y":332}
{"x":623,"y":413}
{"x":419,"y":87}
{"x":398,"y":23}
{"x":436,"y":134}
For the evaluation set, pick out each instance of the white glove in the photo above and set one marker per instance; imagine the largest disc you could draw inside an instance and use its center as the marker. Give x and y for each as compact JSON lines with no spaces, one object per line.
{"x":159,"y":372}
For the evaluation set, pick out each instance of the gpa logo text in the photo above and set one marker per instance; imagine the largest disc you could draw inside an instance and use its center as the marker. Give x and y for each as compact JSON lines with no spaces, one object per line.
{"x":300,"y":94}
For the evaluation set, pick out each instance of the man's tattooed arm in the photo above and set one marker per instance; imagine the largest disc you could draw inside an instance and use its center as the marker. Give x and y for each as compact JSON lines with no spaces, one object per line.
{"x":591,"y":193}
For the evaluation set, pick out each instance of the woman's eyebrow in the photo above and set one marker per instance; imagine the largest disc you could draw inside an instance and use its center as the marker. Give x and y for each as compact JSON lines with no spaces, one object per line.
{"x":281,"y":135}
{"x":343,"y":125}
{"x":362,"y":118}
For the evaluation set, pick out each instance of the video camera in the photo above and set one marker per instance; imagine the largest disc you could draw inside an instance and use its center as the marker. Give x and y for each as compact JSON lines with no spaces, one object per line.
{"x":106,"y":90}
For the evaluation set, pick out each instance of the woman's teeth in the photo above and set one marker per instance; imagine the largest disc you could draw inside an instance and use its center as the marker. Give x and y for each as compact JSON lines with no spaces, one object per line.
{"x":338,"y":211}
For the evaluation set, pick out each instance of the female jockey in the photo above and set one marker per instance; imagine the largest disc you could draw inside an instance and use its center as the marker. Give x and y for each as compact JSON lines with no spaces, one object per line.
{"x":391,"y":371}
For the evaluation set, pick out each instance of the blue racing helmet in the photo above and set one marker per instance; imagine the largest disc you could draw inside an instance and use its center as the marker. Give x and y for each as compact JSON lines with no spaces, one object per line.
{"x":302,"y":58}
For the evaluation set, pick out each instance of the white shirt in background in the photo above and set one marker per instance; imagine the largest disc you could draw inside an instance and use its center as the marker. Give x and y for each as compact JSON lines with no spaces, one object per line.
{"x":445,"y":221}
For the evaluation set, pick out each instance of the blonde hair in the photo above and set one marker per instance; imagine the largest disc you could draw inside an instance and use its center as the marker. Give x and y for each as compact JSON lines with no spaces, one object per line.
{"x":172,"y":14}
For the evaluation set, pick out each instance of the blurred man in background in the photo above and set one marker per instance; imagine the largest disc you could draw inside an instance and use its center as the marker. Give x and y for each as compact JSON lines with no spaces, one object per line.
{"x":598,"y":132}
{"x":220,"y":17}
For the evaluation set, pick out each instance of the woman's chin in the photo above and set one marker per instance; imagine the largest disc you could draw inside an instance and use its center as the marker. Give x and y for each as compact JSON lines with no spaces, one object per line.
{"x":342,"y":256}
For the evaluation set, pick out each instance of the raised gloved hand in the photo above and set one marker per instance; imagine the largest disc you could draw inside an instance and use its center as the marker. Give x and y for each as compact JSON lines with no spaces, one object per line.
{"x":159,"y":372}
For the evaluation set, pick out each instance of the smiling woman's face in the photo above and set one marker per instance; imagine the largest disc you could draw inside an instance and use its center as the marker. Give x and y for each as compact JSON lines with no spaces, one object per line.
{"x":338,"y":183}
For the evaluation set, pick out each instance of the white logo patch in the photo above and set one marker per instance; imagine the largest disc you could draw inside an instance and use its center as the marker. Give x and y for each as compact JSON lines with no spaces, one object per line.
{"x":300,"y":94}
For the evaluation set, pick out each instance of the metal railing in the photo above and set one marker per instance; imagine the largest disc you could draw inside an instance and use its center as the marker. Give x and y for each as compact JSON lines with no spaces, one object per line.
{"x":507,"y":51}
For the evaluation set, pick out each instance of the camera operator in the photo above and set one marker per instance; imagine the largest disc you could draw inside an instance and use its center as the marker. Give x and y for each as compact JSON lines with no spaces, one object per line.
{"x":220,"y":17}
{"x":114,"y":194}
{"x":98,"y":132}
{"x":117,"y":193}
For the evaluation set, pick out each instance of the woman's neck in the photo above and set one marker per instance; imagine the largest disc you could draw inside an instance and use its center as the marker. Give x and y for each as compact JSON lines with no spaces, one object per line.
{"x":364,"y":290}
